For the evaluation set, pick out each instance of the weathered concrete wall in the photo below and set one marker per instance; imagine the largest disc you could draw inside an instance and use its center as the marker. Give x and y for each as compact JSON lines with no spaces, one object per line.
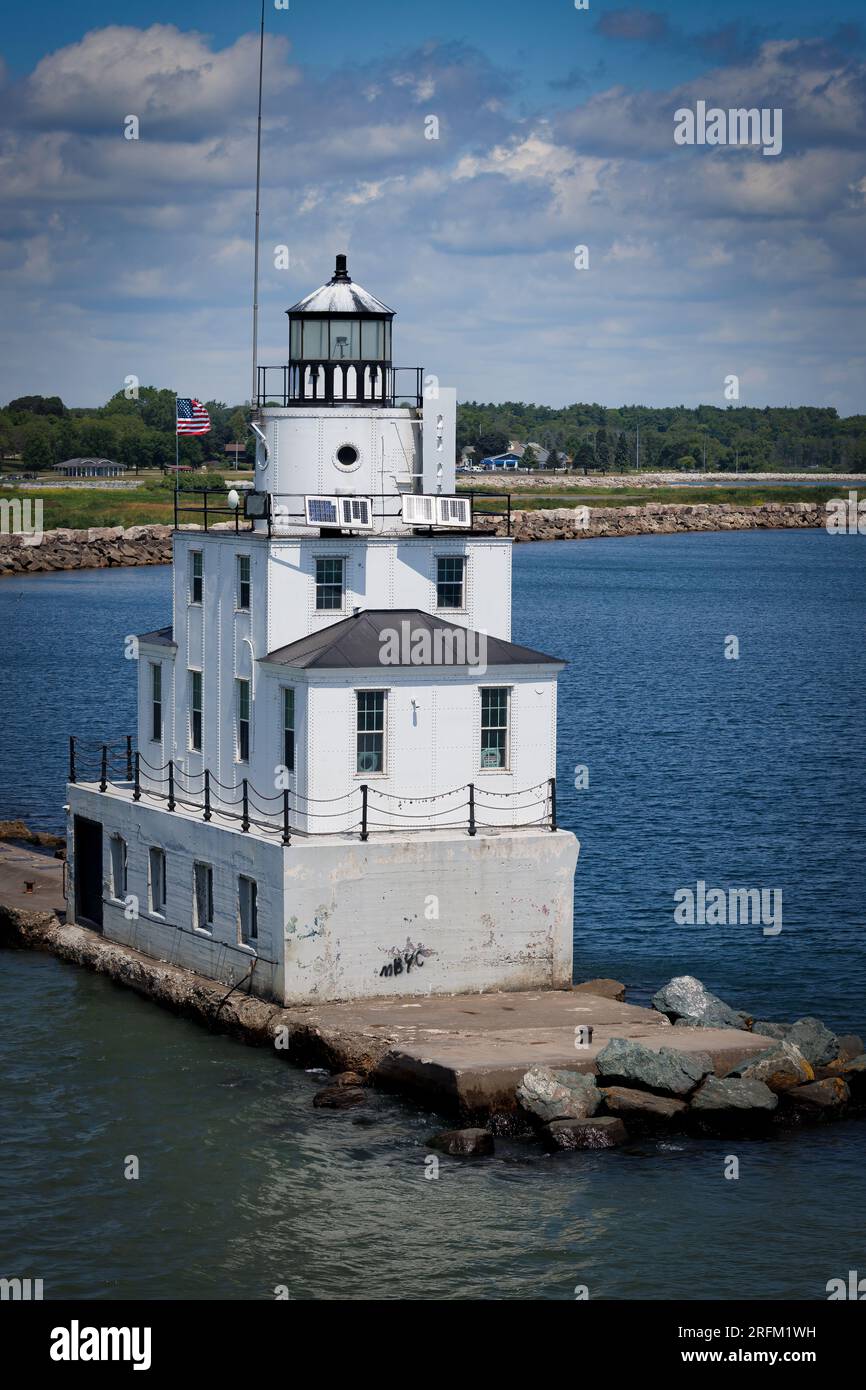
{"x":440,"y":913}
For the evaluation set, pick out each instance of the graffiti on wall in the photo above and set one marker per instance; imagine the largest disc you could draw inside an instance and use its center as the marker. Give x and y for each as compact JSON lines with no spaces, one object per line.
{"x":404,"y":959}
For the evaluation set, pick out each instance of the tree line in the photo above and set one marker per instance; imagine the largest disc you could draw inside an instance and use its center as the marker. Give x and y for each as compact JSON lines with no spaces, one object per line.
{"x":139,"y":431}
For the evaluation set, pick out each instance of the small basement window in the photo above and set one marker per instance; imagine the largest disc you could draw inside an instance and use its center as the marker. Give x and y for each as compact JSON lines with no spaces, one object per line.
{"x":156,"y":880}
{"x":117,"y":846}
{"x":203,"y":896}
{"x":248,"y":911}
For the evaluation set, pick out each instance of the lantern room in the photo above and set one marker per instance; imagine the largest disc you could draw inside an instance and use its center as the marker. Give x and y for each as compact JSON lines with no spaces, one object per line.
{"x":340,"y":345}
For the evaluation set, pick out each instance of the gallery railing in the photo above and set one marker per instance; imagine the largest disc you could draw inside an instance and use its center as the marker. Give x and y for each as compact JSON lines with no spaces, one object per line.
{"x":209,"y":507}
{"x":361,"y":810}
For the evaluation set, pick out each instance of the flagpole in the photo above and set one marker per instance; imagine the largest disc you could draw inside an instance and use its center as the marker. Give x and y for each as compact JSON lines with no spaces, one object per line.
{"x":176,"y":456}
{"x":258,"y":204}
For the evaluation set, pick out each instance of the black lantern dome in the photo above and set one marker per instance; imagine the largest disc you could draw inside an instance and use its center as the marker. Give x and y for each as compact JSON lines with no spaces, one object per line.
{"x":340,"y":345}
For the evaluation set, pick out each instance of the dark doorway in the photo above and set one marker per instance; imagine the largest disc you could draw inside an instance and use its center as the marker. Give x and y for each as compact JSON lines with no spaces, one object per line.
{"x":88,"y":872}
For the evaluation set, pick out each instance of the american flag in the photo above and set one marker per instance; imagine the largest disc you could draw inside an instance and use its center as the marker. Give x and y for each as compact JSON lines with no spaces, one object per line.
{"x":192,"y":418}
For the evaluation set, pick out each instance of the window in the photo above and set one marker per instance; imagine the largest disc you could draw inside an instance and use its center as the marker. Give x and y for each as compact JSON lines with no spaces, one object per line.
{"x":347,"y":455}
{"x":289,"y":729}
{"x":372,"y":340}
{"x":315,"y":338}
{"x":371,"y":731}
{"x":156,"y":880}
{"x":156,"y":701}
{"x":243,"y":715}
{"x":330,"y":586}
{"x":195,"y":711}
{"x":345,"y":339}
{"x":244,"y":582}
{"x":117,"y":846}
{"x":494,"y":727}
{"x":248,"y":915}
{"x":450,"y":575}
{"x":196,"y":576}
{"x":202,"y":876}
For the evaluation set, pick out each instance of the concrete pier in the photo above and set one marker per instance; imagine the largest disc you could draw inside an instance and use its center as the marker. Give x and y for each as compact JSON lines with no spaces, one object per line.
{"x":460,"y":1054}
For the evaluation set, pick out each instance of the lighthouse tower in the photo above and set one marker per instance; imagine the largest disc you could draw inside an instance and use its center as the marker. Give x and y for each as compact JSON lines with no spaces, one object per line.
{"x":343,"y":779}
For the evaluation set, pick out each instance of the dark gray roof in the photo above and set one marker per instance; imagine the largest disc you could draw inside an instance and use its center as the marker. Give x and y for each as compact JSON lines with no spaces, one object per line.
{"x":162,"y":636}
{"x":358,"y":642}
{"x":340,"y":296}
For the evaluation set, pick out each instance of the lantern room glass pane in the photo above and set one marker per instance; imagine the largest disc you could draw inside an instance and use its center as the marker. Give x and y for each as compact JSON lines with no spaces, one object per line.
{"x":315,"y":339}
{"x":295,"y":340}
{"x":345,"y":339}
{"x":373,"y":340}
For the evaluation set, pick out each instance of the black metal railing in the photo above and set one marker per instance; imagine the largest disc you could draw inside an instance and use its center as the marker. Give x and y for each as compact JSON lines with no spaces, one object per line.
{"x":360,"y":810}
{"x":210,"y":508}
{"x":328,"y":383}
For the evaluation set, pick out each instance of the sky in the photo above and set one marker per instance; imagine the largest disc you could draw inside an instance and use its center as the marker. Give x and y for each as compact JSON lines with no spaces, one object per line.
{"x":554,"y":130}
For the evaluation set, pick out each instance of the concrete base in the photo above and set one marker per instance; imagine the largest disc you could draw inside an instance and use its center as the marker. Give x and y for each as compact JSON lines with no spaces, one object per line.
{"x":423,"y":913}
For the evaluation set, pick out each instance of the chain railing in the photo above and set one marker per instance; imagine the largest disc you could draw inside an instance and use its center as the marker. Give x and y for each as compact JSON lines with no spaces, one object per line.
{"x":361,"y":810}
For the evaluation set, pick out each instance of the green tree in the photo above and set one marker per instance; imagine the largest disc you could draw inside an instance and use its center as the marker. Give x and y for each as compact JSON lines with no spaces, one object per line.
{"x":584,"y":458}
{"x":620,"y":457}
{"x":38,"y":453}
{"x":602,"y":450}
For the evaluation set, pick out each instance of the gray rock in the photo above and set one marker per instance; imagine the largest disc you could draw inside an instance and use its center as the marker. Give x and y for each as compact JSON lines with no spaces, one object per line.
{"x":772,"y":1030}
{"x":831,"y":1094}
{"x":817,"y":1044}
{"x":339,"y":1098}
{"x":464,"y":1143}
{"x":780,"y":1068}
{"x":854,"y":1074}
{"x":685,"y":998}
{"x":603,"y":1132}
{"x":850,"y":1046}
{"x":630,"y":1064}
{"x":558,"y":1095}
{"x":347,"y":1078}
{"x":641,"y":1106}
{"x":724,"y":1094}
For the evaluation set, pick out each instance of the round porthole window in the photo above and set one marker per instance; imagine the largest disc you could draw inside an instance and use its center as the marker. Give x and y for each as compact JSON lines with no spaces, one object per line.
{"x":347,"y":456}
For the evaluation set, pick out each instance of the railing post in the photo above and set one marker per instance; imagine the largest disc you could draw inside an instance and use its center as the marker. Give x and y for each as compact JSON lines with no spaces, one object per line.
{"x":129,"y":757}
{"x":171,"y":784}
{"x":553,"y":803}
{"x":205,"y":508}
{"x":71,"y":757}
{"x":364,"y":831}
{"x":103,"y":782}
{"x":245,"y":818}
{"x":471,"y":808}
{"x":206,"y":795}
{"x":136,"y":791}
{"x":286,"y":836}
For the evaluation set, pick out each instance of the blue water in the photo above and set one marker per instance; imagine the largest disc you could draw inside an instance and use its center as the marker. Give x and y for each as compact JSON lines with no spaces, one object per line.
{"x":746,"y":772}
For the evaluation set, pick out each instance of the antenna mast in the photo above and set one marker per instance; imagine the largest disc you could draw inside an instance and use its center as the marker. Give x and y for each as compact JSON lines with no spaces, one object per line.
{"x":258,"y":204}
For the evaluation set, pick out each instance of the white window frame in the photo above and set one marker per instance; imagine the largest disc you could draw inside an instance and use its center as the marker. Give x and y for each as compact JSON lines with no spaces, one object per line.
{"x":241,"y":607}
{"x":156,"y":675}
{"x":197,"y":602}
{"x":379,"y":690}
{"x":344,"y":586}
{"x":240,"y":683}
{"x":193,"y":746}
{"x":284,"y":691}
{"x":462,"y":606}
{"x":509,"y":716}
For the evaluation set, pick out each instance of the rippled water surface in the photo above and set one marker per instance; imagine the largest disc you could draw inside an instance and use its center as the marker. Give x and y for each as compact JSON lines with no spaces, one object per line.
{"x":746,"y":772}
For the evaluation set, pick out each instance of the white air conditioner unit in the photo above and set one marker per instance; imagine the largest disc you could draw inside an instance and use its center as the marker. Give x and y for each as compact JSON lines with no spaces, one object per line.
{"x":454,"y":511}
{"x":322,"y":511}
{"x":419,"y":510}
{"x":356,"y":512}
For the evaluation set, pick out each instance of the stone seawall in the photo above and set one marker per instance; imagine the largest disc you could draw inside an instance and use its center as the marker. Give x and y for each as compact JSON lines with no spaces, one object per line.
{"x":661,"y":519}
{"x":101,"y":547}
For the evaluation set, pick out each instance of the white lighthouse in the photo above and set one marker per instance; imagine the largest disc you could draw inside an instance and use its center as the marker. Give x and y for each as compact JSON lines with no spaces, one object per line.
{"x":343,"y":781}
